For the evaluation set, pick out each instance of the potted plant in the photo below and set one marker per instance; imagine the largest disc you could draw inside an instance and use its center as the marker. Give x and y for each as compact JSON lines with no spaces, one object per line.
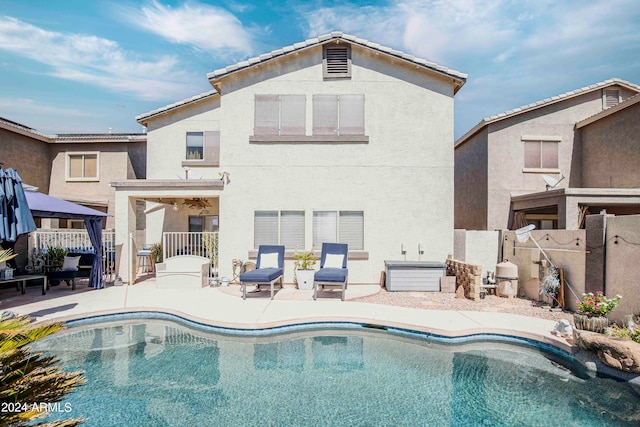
{"x":6,"y":255}
{"x":305,"y":261}
{"x":593,"y":310}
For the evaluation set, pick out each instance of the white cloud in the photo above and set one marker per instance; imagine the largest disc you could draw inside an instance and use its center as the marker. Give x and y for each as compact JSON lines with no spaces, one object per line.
{"x":95,"y":61}
{"x":203,"y":26}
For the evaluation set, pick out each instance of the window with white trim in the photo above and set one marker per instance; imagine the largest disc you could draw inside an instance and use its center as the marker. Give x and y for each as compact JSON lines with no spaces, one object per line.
{"x":203,"y":149}
{"x":338,"y":227}
{"x":338,"y":115}
{"x":336,"y":60}
{"x":279,"y":228}
{"x":279,"y":115}
{"x":541,"y":154}
{"x":610,"y":98}
{"x":83,"y":166}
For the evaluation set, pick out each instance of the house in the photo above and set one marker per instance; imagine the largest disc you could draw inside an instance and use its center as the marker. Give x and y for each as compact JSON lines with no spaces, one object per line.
{"x":332,"y":139}
{"x":73,"y":167}
{"x":551,"y":162}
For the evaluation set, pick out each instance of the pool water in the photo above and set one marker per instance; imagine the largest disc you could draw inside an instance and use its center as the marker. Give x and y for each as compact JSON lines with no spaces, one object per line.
{"x":157,"y":372}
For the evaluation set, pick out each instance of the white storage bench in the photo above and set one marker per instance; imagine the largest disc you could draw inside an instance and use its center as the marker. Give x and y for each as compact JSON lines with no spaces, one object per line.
{"x":414,"y":275}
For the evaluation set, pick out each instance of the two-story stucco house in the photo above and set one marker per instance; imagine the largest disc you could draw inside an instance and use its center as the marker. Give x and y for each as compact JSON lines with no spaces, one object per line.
{"x":540,"y":163}
{"x":332,"y":139}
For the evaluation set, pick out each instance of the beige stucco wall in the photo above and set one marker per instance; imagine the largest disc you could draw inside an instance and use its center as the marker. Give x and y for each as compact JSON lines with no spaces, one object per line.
{"x":402,"y":179}
{"x":114,"y":165}
{"x":622,"y":268}
{"x":471,"y":160}
{"x":478,"y":247}
{"x":28,"y":156}
{"x":611,"y":150}
{"x":565,"y":248}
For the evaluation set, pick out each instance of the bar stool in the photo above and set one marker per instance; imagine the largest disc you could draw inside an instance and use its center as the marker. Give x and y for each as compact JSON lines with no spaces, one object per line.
{"x":144,"y":259}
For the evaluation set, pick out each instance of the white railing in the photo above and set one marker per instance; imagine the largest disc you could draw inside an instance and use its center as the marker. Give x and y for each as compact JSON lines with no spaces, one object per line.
{"x":73,"y":241}
{"x":191,"y":243}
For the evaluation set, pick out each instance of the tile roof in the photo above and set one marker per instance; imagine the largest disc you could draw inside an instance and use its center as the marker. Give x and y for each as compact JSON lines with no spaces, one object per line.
{"x":542,"y":103}
{"x":22,"y":129}
{"x":461,"y":77}
{"x":142,"y":117}
{"x":333,"y":36}
{"x":100,"y":137}
{"x":609,"y":111}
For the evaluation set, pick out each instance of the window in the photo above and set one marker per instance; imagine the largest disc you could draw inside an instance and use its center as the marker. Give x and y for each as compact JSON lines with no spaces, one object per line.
{"x":610,"y":98}
{"x":195,"y":145}
{"x":279,"y":115}
{"x":202,"y":223}
{"x":279,"y":228}
{"x":336,"y":61}
{"x":338,"y":115}
{"x":82,"y":167}
{"x":339,"y":227}
{"x":203,"y":149}
{"x":541,"y":154}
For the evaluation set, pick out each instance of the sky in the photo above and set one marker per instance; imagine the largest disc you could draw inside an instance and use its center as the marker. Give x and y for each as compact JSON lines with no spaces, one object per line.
{"x":90,"y":66}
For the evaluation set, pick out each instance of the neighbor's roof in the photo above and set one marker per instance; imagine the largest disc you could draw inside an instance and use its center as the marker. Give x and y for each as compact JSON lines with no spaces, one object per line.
{"x":609,"y":111}
{"x":23,"y":130}
{"x":336,"y":35}
{"x":459,"y":77}
{"x":143,"y":117}
{"x":543,"y":103}
{"x":99,"y":137}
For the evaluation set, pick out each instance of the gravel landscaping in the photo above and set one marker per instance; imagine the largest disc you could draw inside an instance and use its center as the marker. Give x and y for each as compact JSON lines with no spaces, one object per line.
{"x":448,"y":301}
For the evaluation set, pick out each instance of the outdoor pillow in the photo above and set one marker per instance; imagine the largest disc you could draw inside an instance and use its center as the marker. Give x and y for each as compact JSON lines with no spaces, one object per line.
{"x":269,"y":260}
{"x":71,"y":263}
{"x":333,"y":261}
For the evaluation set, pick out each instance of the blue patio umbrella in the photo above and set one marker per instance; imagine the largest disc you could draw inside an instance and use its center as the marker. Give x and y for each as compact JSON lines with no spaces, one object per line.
{"x":15,"y":215}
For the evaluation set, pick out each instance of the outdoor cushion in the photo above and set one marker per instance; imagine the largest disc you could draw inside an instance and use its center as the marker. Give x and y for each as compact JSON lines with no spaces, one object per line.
{"x":333,"y":261}
{"x":70,"y":263}
{"x":337,"y":275}
{"x":269,"y":260}
{"x":261,"y":275}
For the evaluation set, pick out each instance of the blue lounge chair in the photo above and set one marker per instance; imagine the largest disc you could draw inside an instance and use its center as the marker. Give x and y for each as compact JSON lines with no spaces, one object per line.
{"x":333,"y":267}
{"x":269,"y":269}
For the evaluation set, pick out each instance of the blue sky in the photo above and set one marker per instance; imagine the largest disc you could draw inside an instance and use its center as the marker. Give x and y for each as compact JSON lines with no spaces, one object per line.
{"x":77,"y":66}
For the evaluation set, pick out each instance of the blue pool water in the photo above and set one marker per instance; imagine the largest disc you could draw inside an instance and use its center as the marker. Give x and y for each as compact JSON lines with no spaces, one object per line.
{"x":156,"y":372}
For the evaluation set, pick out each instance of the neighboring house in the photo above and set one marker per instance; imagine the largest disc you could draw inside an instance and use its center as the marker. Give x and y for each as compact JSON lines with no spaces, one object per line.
{"x":501,"y":164}
{"x":25,"y":150}
{"x":83,"y":166}
{"x":73,"y":167}
{"x":331,"y":139}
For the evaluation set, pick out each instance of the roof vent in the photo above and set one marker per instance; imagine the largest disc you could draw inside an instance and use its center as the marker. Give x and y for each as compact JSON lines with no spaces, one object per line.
{"x":337,"y":60}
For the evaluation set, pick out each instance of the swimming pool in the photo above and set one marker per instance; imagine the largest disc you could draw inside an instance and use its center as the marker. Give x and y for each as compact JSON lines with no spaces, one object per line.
{"x":161,"y":372}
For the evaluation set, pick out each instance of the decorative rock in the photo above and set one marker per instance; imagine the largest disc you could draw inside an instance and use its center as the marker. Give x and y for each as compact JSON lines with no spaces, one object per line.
{"x":615,"y":352}
{"x":460,"y":292}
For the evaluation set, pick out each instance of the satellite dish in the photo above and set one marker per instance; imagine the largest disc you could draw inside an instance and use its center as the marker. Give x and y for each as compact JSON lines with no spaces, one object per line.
{"x":524,"y":233}
{"x":551,"y":181}
{"x":187,"y":173}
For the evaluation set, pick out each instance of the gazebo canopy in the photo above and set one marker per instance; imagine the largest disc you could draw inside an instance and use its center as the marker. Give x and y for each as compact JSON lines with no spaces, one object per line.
{"x":44,"y":206}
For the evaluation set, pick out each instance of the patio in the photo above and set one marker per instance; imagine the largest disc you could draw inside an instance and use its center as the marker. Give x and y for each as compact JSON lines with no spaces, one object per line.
{"x":224,"y":307}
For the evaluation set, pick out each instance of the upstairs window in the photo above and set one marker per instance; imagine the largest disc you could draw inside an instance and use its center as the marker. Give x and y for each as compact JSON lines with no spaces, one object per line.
{"x":541,"y":154}
{"x":82,"y":167}
{"x":338,"y":115}
{"x":279,"y":115}
{"x":336,"y":61}
{"x":195,"y":145}
{"x":203,"y":149}
{"x":611,"y":98}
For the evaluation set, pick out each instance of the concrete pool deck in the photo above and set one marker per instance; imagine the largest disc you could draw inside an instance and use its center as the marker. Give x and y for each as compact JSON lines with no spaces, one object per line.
{"x":224,"y":307}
